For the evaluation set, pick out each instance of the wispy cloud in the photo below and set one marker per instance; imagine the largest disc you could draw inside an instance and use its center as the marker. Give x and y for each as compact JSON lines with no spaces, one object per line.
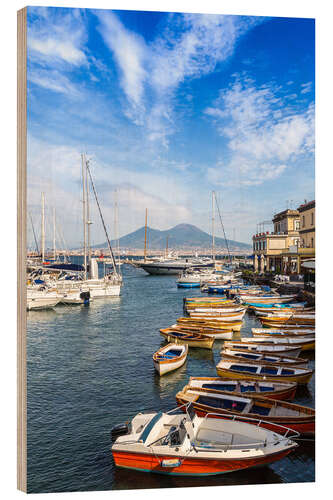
{"x":189,"y":47}
{"x":130,"y":52}
{"x":264,"y":133}
{"x":54,"y":80}
{"x":306,"y":88}
{"x":57,"y":37}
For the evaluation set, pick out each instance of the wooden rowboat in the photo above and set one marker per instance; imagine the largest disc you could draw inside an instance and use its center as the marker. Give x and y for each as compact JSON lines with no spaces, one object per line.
{"x":226,"y":317}
{"x":264,"y":348}
{"x":262,"y":358}
{"x":243,"y":370}
{"x":220,"y":322}
{"x":203,"y":323}
{"x":306,"y":343}
{"x":300,"y":332}
{"x":169,"y":358}
{"x":209,"y":332}
{"x":191,"y":339}
{"x":289,"y":320}
{"x":272,"y":411}
{"x":276,"y":390}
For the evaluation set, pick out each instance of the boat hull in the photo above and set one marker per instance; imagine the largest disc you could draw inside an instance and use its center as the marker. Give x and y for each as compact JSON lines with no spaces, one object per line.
{"x":205,"y":344}
{"x":145,"y":462}
{"x":302,"y":379}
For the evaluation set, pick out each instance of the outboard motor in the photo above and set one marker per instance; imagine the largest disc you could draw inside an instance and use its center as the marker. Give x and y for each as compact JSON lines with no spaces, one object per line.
{"x":119,"y":430}
{"x":85,"y":296}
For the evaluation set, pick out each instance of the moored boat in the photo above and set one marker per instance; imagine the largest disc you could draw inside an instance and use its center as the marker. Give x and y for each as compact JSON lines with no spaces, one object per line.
{"x":275,"y":332}
{"x":209,"y":332}
{"x":169,"y":358}
{"x":241,"y":369}
{"x":306,"y":343}
{"x":192,"y":446}
{"x":298,"y":418}
{"x":275,"y":390}
{"x":284,"y":350}
{"x":261,"y":358}
{"x":234,"y":325}
{"x":191,"y":339}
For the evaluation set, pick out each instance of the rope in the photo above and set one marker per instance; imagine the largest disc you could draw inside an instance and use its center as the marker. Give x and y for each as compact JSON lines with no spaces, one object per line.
{"x":100,"y":213}
{"x":226,"y":241}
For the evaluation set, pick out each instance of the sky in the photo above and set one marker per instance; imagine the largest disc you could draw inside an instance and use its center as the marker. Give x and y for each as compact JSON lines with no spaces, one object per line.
{"x":168,"y":108}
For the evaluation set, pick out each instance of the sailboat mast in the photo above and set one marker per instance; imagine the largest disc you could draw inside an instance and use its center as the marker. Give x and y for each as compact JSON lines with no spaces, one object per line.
{"x":166,"y":248}
{"x":43,"y":228}
{"x":116,"y":228}
{"x":213,"y":227}
{"x":54,"y":235}
{"x":84,"y":216}
{"x":88,"y":222}
{"x":145,"y":250}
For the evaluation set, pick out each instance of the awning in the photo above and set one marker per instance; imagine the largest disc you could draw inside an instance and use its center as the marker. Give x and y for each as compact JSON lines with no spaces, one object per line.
{"x":309,"y":264}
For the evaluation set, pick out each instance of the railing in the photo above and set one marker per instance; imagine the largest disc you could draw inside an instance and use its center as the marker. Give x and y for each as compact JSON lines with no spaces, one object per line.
{"x":259,"y":422}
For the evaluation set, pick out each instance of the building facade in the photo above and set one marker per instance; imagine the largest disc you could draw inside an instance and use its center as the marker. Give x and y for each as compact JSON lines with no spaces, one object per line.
{"x":291,"y":243}
{"x":307,"y":226}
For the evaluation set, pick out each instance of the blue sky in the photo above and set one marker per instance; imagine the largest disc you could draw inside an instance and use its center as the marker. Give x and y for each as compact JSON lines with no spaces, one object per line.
{"x":169,"y":107}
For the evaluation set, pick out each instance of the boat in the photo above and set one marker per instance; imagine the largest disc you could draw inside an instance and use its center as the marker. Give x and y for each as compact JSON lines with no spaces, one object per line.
{"x":275,"y":390}
{"x":277,"y":306}
{"x":272,"y":299}
{"x":299,"y":319}
{"x":173,"y":266}
{"x":261,"y":332}
{"x":223,"y":316}
{"x":240,"y":370}
{"x":41,"y":299}
{"x":273,"y":411}
{"x":189,"y":445}
{"x":215,"y":323}
{"x":306,"y":343}
{"x":169,"y":358}
{"x":191,"y":339}
{"x":262,"y":358}
{"x":209,"y":332}
{"x":264,"y":348}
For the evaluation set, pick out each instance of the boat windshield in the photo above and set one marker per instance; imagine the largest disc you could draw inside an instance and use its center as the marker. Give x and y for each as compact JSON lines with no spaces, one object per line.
{"x":150,"y":426}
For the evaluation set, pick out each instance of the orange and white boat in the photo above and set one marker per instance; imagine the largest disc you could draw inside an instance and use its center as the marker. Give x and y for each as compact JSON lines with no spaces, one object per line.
{"x":189,"y":445}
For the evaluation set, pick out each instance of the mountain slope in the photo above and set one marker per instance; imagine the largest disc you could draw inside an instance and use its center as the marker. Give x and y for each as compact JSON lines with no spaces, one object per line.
{"x":180,"y":236}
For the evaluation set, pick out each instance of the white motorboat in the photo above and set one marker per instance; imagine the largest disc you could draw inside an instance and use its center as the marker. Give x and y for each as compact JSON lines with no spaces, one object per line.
{"x":188,"y":445}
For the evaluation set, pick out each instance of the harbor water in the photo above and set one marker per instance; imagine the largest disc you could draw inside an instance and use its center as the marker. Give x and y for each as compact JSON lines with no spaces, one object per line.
{"x":90,"y":368}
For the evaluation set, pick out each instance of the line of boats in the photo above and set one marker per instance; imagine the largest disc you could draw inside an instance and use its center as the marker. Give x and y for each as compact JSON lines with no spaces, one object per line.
{"x":242,"y":418}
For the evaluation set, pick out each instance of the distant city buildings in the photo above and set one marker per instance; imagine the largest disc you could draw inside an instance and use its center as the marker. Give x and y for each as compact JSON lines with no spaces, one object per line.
{"x":290,"y":244}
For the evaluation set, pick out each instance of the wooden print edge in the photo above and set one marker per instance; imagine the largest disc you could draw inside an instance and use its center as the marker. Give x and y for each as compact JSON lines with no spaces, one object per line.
{"x":21,"y":248}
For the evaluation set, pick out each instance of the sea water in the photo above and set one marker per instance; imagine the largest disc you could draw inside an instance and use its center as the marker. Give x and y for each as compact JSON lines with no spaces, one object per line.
{"x":90,"y":368}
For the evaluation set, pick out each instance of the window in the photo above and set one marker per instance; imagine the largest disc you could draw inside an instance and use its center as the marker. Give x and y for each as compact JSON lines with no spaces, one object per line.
{"x":312,"y":218}
{"x":311,"y":242}
{"x":296,"y":225}
{"x":303,"y":220}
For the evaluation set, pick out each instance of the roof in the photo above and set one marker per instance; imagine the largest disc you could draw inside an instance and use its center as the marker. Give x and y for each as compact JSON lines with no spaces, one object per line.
{"x":307,"y":206}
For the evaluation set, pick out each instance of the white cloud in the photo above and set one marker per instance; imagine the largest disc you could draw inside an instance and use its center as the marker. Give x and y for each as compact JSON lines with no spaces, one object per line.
{"x":189,"y":47}
{"x":130,"y":52}
{"x":306,"y":88}
{"x":53,"y":80}
{"x":57,"y":38}
{"x":264,"y":135}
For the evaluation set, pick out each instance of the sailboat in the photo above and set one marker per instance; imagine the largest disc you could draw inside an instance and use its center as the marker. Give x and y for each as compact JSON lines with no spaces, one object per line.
{"x":110,"y":284}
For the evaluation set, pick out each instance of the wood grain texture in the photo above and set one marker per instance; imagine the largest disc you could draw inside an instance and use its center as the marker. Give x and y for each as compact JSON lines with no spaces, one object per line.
{"x":21,"y":248}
